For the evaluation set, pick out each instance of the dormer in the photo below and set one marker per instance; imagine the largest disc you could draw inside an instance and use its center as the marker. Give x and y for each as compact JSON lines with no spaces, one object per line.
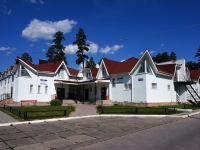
{"x":61,"y":73}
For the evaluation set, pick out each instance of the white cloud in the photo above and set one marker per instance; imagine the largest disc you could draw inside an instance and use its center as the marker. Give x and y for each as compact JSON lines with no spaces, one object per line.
{"x":41,"y":1}
{"x":162,"y":44}
{"x":31,"y":45}
{"x":72,"y":49}
{"x":5,"y":10}
{"x":32,"y":1}
{"x":97,"y":65}
{"x":7,"y":48}
{"x":8,"y":53}
{"x":43,"y":50}
{"x":48,"y":44}
{"x":122,"y":60}
{"x":151,"y":52}
{"x":110,"y":50}
{"x":46,"y":29}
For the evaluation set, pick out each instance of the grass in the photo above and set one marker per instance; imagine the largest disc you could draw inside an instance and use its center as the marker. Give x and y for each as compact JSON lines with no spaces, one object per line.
{"x":39,"y":112}
{"x":161,"y":110}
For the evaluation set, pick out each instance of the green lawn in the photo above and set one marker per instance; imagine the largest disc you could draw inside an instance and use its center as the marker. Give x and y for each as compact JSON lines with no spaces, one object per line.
{"x":40,"y":112}
{"x":161,"y":110}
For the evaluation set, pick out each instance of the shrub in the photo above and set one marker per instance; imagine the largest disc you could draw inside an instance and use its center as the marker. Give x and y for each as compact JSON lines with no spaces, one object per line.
{"x":115,"y":105}
{"x":55,"y":102}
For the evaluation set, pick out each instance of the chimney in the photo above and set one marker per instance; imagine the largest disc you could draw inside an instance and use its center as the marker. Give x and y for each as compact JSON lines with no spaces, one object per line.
{"x":42,"y":61}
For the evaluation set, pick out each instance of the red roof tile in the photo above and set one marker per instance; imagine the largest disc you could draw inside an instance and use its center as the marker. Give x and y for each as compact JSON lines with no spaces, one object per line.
{"x":125,"y":66}
{"x":167,"y":68}
{"x":94,"y":72}
{"x":51,"y":67}
{"x":110,"y":64}
{"x":72,"y":71}
{"x":194,"y":74}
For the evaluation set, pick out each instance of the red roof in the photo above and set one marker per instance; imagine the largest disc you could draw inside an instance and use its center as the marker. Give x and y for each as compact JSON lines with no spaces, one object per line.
{"x":51,"y":67}
{"x":72,"y":71}
{"x":166,"y":68}
{"x":110,"y":64}
{"x":194,"y":74}
{"x":94,"y":72}
{"x":125,"y":66}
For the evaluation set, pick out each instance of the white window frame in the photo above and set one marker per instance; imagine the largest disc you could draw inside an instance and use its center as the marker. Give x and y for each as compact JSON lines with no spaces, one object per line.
{"x":113,"y":82}
{"x":154,"y":86}
{"x":31,"y":88}
{"x":39,"y":89}
{"x":46,"y":89}
{"x":168,"y":87}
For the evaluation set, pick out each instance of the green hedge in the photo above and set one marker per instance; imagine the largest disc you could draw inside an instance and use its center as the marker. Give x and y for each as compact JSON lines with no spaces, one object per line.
{"x":55,"y":102}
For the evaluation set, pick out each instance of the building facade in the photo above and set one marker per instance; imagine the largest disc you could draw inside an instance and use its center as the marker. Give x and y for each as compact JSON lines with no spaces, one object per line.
{"x":135,"y":81}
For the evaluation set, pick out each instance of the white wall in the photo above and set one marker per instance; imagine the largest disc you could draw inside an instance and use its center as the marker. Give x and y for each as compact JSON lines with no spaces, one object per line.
{"x":118,"y":92}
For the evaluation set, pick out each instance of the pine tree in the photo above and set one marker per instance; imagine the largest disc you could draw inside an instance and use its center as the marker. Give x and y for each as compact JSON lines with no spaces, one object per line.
{"x":172,"y":56}
{"x":198,"y":54}
{"x":26,"y":57}
{"x":90,"y":63}
{"x":82,"y":46}
{"x":56,"y":51}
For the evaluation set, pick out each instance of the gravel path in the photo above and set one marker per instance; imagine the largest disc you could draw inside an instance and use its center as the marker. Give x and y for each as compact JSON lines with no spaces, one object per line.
{"x":84,"y":110}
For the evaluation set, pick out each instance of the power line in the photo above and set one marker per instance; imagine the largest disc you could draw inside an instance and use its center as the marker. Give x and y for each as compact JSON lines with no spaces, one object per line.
{"x":125,"y":39}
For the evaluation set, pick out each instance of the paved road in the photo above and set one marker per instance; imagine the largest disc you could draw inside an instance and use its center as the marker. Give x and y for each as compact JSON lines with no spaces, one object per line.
{"x":85,"y":133}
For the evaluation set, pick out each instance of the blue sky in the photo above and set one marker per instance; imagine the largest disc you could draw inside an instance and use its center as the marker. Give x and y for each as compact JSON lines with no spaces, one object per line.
{"x":112,"y":28}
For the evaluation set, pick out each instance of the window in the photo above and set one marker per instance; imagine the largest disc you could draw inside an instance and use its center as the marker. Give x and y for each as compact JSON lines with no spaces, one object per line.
{"x":61,"y":73}
{"x":154,"y":85}
{"x":103,"y":71}
{"x":88,"y":75}
{"x":145,"y":67}
{"x":46,"y":89}
{"x":142,"y":68}
{"x":39,"y":88}
{"x":24,"y":72}
{"x":168,"y":87}
{"x":126,"y":86}
{"x":113,"y":82}
{"x":31,"y":88}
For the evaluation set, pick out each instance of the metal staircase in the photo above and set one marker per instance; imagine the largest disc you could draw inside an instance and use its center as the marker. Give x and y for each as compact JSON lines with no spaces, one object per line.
{"x":193,"y":94}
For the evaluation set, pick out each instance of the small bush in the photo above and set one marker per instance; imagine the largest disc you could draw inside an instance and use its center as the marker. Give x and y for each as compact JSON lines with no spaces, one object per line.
{"x":115,"y":105}
{"x":55,"y":102}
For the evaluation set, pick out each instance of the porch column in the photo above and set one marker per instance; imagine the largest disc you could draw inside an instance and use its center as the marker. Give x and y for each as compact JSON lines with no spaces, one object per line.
{"x":83,"y":94}
{"x":95,"y":92}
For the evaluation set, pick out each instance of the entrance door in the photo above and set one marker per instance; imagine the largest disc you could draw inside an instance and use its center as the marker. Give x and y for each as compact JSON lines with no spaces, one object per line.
{"x":103,"y":93}
{"x":61,"y":93}
{"x":86,"y":94}
{"x":11,"y":92}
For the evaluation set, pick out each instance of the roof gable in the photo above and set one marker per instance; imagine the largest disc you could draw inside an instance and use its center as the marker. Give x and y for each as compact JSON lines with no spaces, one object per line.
{"x":73,"y":71}
{"x":194,"y":74}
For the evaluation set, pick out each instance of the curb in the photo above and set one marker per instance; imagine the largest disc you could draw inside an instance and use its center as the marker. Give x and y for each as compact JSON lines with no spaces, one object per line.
{"x":92,"y":116}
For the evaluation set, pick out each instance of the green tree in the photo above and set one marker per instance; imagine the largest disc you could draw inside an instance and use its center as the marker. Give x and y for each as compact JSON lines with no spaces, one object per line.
{"x":26,"y":57}
{"x":192,"y":65}
{"x":82,"y":46}
{"x":172,"y":56}
{"x":198,"y":54}
{"x":90,"y":63}
{"x":56,"y":51}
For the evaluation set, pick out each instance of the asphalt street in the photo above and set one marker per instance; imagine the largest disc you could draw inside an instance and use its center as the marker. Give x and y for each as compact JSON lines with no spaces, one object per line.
{"x":104,"y":133}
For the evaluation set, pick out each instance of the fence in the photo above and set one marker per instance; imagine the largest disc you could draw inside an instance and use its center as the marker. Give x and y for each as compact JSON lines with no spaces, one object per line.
{"x":5,"y":96}
{"x":136,"y":110}
{"x":35,"y":114}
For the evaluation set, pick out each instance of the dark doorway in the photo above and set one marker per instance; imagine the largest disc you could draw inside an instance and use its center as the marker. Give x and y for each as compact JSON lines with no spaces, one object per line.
{"x":11,"y":92}
{"x":61,"y":93}
{"x":86,"y":94}
{"x":103,"y":93}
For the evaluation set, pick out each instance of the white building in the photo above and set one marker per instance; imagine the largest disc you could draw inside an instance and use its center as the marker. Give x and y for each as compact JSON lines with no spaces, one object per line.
{"x":137,"y":81}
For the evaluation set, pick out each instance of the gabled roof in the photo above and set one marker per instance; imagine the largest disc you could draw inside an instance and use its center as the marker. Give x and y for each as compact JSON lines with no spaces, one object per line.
{"x":194,"y":74}
{"x":110,"y":64}
{"x":94,"y":72}
{"x":167,"y":68}
{"x":73,"y":71}
{"x":50,"y":67}
{"x":125,"y":66}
